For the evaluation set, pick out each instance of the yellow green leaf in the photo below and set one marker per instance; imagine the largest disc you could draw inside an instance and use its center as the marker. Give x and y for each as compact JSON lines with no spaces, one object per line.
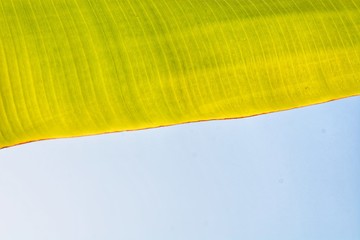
{"x":73,"y":68}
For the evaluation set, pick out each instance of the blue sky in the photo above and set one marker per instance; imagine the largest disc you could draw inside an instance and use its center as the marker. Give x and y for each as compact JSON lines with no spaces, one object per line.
{"x":288,"y":175}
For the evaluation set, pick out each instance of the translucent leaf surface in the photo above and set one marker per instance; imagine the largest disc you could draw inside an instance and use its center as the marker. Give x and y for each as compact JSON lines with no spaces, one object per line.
{"x":72,"y":68}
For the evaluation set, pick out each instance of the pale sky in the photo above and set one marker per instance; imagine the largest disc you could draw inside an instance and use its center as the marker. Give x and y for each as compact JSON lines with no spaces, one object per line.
{"x":291,"y":175}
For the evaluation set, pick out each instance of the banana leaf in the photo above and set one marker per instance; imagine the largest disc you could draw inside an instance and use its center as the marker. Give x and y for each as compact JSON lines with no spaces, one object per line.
{"x":73,"y":68}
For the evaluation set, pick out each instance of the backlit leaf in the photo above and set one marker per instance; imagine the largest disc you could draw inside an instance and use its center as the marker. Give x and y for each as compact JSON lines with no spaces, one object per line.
{"x":81,"y":67}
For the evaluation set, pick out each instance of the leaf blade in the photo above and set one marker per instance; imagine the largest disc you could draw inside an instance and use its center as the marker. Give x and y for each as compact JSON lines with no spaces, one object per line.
{"x":88,"y":67}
